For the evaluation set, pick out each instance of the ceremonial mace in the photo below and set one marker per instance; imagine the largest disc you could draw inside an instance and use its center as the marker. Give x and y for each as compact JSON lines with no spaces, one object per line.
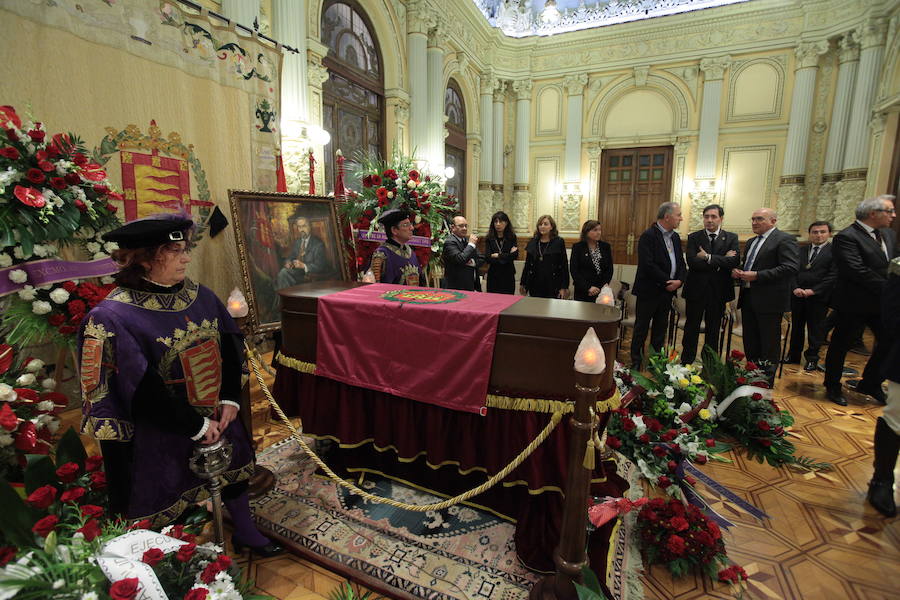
{"x":208,"y":462}
{"x":570,"y":556}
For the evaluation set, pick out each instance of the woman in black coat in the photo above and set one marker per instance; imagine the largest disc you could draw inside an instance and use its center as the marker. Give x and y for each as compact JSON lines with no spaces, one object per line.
{"x":500,"y":250}
{"x":591,"y":264}
{"x":546,"y":273}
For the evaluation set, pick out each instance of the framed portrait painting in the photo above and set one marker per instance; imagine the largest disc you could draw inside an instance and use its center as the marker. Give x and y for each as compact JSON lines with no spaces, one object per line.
{"x":283,"y":240}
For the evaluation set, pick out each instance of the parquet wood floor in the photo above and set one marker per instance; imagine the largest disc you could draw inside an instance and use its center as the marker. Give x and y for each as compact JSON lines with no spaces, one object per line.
{"x":822,"y":541}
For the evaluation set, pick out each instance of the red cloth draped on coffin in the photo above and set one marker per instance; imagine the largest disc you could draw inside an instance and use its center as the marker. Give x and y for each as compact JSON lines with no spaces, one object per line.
{"x":374,"y":429}
{"x":438,"y":351}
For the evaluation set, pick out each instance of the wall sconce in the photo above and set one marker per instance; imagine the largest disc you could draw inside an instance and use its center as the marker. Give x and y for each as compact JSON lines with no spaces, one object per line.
{"x":449,"y":172}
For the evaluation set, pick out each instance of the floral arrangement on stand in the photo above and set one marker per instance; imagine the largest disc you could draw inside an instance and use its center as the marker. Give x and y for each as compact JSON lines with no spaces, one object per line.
{"x":59,"y":541}
{"x":28,"y":411}
{"x":682,"y":538}
{"x":51,"y":195}
{"x":746,"y":411}
{"x":665,"y":425}
{"x":397,"y":183}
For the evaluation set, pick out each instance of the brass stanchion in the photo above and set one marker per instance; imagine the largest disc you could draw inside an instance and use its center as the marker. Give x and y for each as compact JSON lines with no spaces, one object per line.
{"x":208,"y":462}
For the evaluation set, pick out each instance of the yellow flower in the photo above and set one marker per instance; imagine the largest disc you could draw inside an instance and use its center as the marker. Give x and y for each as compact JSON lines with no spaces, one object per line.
{"x":704,"y":413}
{"x":684,"y":382}
{"x":696,"y":379}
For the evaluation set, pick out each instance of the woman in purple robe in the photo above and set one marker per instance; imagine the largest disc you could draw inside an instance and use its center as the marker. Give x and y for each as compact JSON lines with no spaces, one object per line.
{"x":160,"y":372}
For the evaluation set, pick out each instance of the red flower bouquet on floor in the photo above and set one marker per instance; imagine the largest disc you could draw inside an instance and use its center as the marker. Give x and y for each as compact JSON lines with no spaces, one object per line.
{"x":680,"y":537}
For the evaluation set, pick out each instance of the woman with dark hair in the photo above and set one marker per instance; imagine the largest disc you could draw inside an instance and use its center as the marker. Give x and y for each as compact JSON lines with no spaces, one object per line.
{"x":161,"y":371}
{"x":500,"y":250}
{"x":591,"y":264}
{"x":546,"y":272}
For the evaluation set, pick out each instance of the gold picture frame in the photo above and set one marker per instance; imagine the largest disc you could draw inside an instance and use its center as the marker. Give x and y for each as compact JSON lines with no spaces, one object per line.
{"x":284,"y":240}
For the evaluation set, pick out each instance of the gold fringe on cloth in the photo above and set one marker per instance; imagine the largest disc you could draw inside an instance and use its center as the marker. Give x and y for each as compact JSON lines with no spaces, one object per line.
{"x":491,"y":400}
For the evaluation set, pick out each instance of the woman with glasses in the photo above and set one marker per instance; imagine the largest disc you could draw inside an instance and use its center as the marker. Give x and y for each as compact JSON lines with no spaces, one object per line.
{"x":160,"y":372}
{"x":591,"y":264}
{"x":546,"y":272}
{"x":500,"y":250}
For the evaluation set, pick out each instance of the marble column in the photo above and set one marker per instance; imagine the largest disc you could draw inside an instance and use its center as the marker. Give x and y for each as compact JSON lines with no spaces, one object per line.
{"x":705,"y":191}
{"x":435,"y":94}
{"x":792,"y":188}
{"x":418,"y":22}
{"x":316,"y":76}
{"x":245,"y":12}
{"x":521,"y":199}
{"x":499,"y":137}
{"x":848,"y":59}
{"x":569,"y":213}
{"x":486,"y":166}
{"x":852,"y":186}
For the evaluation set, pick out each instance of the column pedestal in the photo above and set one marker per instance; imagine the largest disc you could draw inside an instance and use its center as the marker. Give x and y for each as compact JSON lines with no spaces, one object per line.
{"x":850,"y":192}
{"x":518,"y":213}
{"x":828,"y":193}
{"x":790,"y":199}
{"x":485,"y":203}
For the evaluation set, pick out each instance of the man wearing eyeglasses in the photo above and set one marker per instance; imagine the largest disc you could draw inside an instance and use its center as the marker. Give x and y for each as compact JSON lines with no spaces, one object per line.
{"x":862,"y":253}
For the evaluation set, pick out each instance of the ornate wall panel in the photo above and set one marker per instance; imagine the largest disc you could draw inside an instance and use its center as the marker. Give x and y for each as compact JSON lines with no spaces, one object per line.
{"x":756,"y":89}
{"x":747,"y":179}
{"x":545,"y":196}
{"x":548,"y":111}
{"x":665,"y":88}
{"x":637,"y":113}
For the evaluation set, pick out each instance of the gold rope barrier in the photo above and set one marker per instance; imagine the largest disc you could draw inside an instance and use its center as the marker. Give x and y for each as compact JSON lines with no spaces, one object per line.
{"x":554,"y":421}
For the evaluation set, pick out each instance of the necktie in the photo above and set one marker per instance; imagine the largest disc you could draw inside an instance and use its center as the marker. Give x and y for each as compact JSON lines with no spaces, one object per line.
{"x":881,"y":243}
{"x":815,"y":253}
{"x":712,"y":240}
{"x":757,"y":242}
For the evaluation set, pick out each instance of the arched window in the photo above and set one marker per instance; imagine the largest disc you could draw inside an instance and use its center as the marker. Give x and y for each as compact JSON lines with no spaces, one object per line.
{"x":455,"y":143}
{"x":353,"y":95}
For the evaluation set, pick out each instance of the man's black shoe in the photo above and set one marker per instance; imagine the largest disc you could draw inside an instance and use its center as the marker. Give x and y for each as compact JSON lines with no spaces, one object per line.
{"x":881,"y":496}
{"x":811,"y":365}
{"x":836,"y":396}
{"x":876,"y":393}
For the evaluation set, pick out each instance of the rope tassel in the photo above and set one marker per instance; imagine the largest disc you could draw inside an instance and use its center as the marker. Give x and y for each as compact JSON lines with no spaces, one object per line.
{"x":589,"y":459}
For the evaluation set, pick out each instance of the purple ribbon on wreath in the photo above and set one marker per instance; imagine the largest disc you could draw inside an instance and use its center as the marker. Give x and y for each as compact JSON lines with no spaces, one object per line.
{"x":693,"y":497}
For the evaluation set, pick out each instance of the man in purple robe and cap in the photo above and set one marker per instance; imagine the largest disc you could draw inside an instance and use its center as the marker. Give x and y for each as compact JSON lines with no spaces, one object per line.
{"x":394,"y":261}
{"x":161,"y":371}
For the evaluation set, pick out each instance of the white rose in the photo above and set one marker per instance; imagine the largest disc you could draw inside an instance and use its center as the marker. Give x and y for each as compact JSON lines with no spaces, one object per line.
{"x":40,"y":307}
{"x":51,"y":423}
{"x":27,"y":293}
{"x":59,"y":295}
{"x":39,"y":250}
{"x":411,"y":184}
{"x":7,"y":393}
{"x":5,"y":260}
{"x":45,"y":405}
{"x":99,"y":255}
{"x":110,"y":247}
{"x":669,"y":392}
{"x":25,"y":379}
{"x":18,"y":276}
{"x":92,"y":247}
{"x":390,"y":194}
{"x":49,"y":384}
{"x":5,"y":438}
{"x":89,"y":596}
{"x":49,"y":286}
{"x":107,"y":279}
{"x":418,"y":219}
{"x":19,"y":253}
{"x":34,"y":365}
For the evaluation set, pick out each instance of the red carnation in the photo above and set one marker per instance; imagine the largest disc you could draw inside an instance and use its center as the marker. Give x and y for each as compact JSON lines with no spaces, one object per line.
{"x":756,"y":396}
{"x":46,"y":166}
{"x":8,"y":419}
{"x":678,"y":523}
{"x":58,"y":183}
{"x":741,"y":380}
{"x":69,"y":286}
{"x":7,"y":553}
{"x":142,"y":524}
{"x":68,"y":472}
{"x":649,"y":515}
{"x":66,"y":330}
{"x":37,"y":135}
{"x":72,"y":178}
{"x":700,"y":459}
{"x":751,"y":366}
{"x":659,"y":451}
{"x":42,"y":497}
{"x":92,"y":463}
{"x":124,"y":589}
{"x":224,"y":561}
{"x":209,"y":573}
{"x":376,"y":180}
{"x":654,"y":425}
{"x":676,"y":545}
{"x":766,"y":443}
{"x":414,"y":175}
{"x":10,"y":153}
{"x":35,"y":176}
{"x":628,"y":424}
{"x":737,"y":355}
{"x":710,"y":443}
{"x":186,"y":552}
{"x":90,"y":530}
{"x":663,"y":482}
{"x":390,"y":173}
{"x":197,"y":594}
{"x":91,"y":510}
{"x":72,"y":495}
{"x":672,"y":465}
{"x":98,"y":480}
{"x":644,"y":438}
{"x":30,"y":196}
{"x":367,"y":181}
{"x":763,"y":425}
{"x":613,"y":442}
{"x":381,"y":192}
{"x":45,"y":525}
{"x":56,"y":319}
{"x":760,"y":384}
{"x":77,"y":307}
{"x":153,"y":556}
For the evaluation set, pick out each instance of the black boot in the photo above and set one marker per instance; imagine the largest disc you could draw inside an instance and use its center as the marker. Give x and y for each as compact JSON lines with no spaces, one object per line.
{"x":881,"y":488}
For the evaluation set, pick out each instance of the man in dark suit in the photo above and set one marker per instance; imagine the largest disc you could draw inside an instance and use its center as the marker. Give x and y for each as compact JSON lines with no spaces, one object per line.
{"x":771,"y":260}
{"x":711,"y":255}
{"x":461,"y":258}
{"x":811,"y":291}
{"x":887,"y":428}
{"x":660,"y":272}
{"x":862,"y":253}
{"x":307,"y":259}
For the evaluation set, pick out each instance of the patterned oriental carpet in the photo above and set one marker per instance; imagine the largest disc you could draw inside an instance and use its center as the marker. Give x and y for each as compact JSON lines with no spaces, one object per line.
{"x":456,"y":553}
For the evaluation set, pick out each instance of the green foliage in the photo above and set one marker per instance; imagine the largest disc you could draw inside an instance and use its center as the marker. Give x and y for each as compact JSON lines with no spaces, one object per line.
{"x":16,"y":518}
{"x":70,"y":449}
{"x":346,"y":592}
{"x":591,"y":589}
{"x":40,"y":471}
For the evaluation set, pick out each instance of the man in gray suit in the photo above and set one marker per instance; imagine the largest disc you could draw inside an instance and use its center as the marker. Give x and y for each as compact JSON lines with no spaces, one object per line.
{"x":771,"y":260}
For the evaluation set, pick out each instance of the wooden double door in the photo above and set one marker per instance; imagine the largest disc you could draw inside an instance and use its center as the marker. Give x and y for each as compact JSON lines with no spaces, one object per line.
{"x":633,"y":183}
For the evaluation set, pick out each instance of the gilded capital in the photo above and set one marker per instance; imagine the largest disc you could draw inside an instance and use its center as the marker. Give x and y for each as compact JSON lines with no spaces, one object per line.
{"x":523,"y":88}
{"x":714,"y":68}
{"x":808,"y":53}
{"x":574,"y":84}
